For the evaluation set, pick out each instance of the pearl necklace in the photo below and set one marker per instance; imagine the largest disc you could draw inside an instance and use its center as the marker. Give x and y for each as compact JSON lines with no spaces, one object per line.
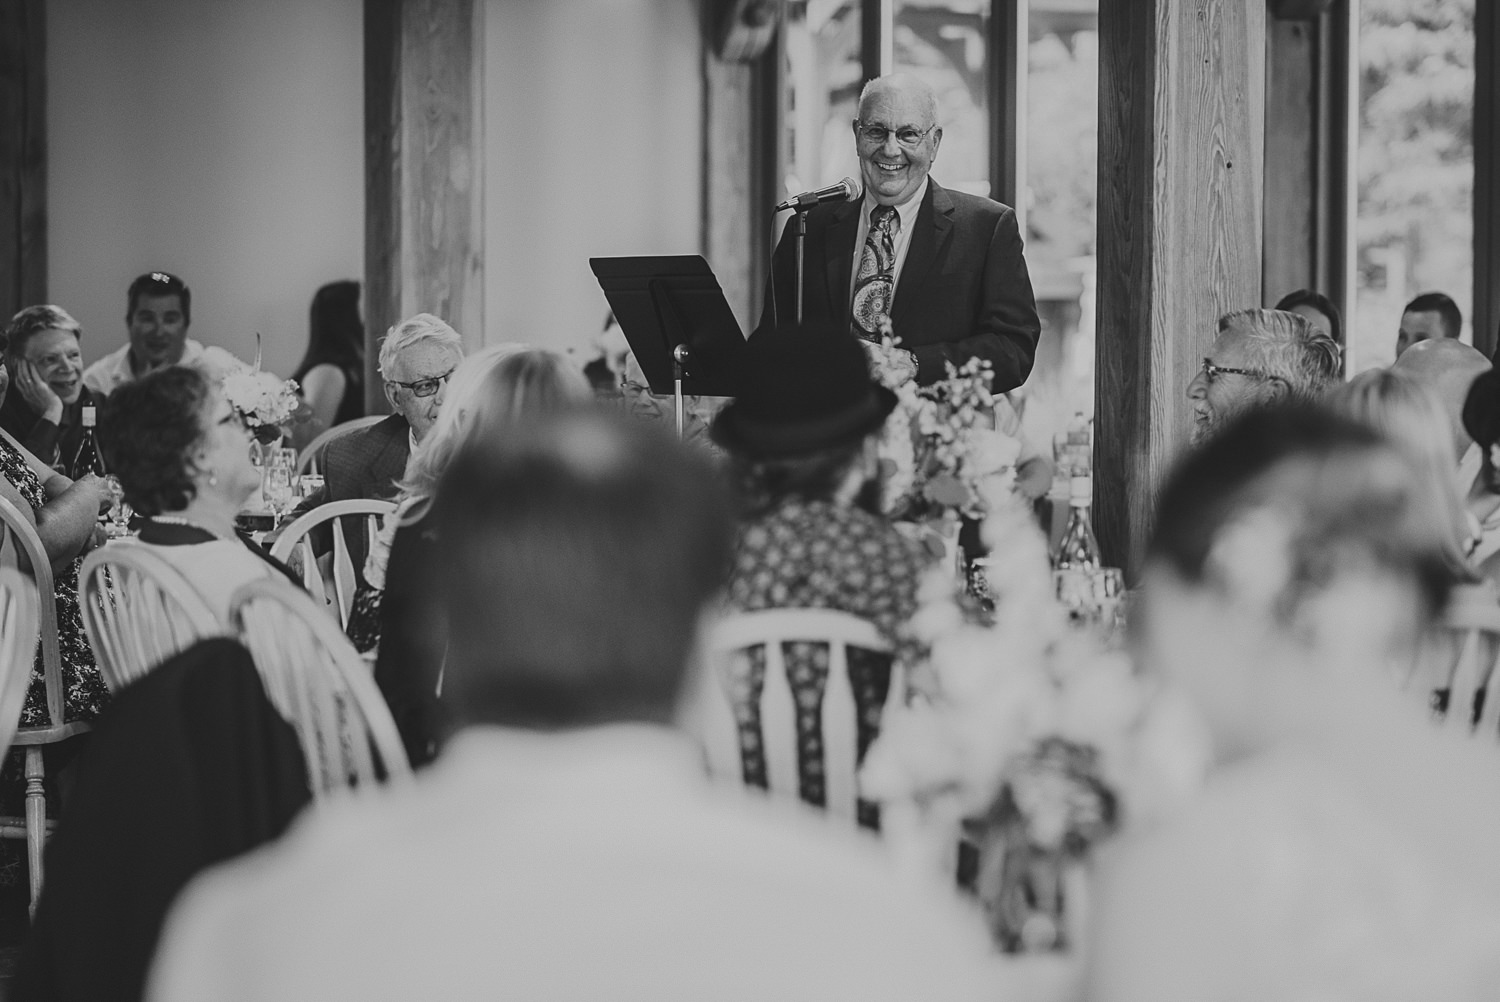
{"x":179,"y":520}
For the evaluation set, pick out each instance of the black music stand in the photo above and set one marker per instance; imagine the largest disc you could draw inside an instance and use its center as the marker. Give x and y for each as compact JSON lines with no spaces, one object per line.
{"x":677,"y":321}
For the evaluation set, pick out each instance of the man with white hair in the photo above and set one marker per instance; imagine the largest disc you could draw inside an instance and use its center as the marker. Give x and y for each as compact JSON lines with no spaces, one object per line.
{"x":1260,"y":357}
{"x":944,"y":267}
{"x":416,"y":359}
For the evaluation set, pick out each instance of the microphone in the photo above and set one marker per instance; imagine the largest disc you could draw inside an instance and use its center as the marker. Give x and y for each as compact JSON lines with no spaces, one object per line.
{"x":847,"y":190}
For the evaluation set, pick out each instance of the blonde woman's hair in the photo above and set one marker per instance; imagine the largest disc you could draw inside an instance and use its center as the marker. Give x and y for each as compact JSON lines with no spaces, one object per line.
{"x":487,"y":392}
{"x":1409,"y":416}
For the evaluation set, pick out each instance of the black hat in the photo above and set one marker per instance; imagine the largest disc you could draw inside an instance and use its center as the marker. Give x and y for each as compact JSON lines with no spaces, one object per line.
{"x":802,"y":389}
{"x":1481,"y":413}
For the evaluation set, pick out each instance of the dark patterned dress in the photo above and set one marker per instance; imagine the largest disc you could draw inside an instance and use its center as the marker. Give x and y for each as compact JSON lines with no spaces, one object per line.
{"x":84,"y":693}
{"x":820,"y":555}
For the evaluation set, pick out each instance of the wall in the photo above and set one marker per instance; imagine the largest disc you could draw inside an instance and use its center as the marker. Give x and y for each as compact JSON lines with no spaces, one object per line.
{"x":593,"y":147}
{"x":219,"y":140}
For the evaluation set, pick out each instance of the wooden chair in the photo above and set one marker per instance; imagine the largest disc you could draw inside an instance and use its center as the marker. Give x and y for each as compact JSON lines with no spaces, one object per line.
{"x":1457,"y":667}
{"x":138,"y":611}
{"x":311,"y":456}
{"x":315,"y":677}
{"x":730,"y":641}
{"x":26,"y":554}
{"x":294,"y":546}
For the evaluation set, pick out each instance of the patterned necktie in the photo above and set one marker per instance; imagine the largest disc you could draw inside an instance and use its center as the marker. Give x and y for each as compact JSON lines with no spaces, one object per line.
{"x":875,"y":283}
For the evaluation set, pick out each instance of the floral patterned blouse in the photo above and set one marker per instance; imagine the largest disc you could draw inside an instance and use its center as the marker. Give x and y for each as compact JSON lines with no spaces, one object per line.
{"x":817,"y":554}
{"x":84,"y":692}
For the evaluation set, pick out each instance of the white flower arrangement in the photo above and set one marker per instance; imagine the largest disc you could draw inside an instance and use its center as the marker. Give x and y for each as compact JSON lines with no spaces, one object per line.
{"x":1025,"y":732}
{"x":263,"y":399}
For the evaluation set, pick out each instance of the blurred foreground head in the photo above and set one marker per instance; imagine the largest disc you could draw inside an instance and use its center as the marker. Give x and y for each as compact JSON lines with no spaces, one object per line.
{"x":579,"y":552}
{"x":1296,"y":544}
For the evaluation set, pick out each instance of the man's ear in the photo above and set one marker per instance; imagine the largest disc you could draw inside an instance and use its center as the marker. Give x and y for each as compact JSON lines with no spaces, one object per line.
{"x":937,"y":140}
{"x":1276,"y":391}
{"x":390,"y":395}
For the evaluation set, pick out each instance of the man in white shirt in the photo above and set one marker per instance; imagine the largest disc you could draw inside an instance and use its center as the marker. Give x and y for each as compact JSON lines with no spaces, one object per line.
{"x":567,"y":844}
{"x":157,"y":318}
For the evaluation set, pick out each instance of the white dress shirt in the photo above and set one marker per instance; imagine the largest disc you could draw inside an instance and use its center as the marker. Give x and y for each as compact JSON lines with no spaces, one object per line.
{"x":583,"y":865}
{"x":907,"y":213}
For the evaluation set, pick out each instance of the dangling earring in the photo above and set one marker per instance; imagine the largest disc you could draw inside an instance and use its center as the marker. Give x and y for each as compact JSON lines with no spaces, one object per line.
{"x":213,"y":479}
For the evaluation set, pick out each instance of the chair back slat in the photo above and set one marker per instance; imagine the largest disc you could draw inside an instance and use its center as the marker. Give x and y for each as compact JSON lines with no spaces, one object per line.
{"x":294,"y":546}
{"x":138,"y":611}
{"x":23,"y":550}
{"x":317,"y":680}
{"x":310,"y":460}
{"x":730,"y":644}
{"x":20,"y":625}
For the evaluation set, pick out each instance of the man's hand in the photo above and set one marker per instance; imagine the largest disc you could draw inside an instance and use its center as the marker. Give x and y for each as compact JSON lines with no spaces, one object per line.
{"x":38,"y":395}
{"x":891,"y":367}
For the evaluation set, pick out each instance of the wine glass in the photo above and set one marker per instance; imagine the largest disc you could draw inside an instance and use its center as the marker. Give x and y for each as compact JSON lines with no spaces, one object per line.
{"x":278,"y":482}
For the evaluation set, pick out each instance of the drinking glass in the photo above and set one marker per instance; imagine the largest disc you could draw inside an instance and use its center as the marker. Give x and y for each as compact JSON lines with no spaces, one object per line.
{"x":278,"y":481}
{"x":119,"y":509}
{"x":1109,"y":596}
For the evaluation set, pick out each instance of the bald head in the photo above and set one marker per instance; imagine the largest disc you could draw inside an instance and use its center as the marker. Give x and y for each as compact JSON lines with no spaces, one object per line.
{"x":1447,"y":368}
{"x":896,"y":136}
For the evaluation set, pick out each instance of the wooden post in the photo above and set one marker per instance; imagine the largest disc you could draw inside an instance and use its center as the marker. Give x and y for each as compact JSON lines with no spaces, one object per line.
{"x":23,"y":156}
{"x":424,"y":155}
{"x":1486,"y":178}
{"x":1181,"y":123}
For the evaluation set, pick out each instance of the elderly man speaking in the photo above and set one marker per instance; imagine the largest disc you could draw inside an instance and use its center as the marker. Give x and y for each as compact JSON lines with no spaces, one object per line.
{"x":944,"y":267}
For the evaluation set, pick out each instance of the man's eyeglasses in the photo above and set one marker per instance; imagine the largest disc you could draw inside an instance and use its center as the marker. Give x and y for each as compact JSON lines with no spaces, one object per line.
{"x":423,"y":387}
{"x":1212,"y":372}
{"x":906,"y":136}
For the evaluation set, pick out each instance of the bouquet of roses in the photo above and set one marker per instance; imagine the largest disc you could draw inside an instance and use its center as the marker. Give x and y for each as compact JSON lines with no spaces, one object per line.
{"x":263,"y":399}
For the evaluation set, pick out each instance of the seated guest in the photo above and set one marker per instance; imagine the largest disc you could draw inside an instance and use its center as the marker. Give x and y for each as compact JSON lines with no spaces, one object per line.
{"x":1338,"y":848}
{"x":182,"y":453}
{"x":331,"y":376}
{"x":1432,"y":316}
{"x":1413,"y":420}
{"x":1260,"y":357}
{"x":65,"y":513}
{"x":44,"y":410}
{"x":570,"y":845}
{"x":417,"y":358}
{"x":490,"y":391}
{"x":802,"y":441}
{"x":1317,"y":308}
{"x":158,"y":312}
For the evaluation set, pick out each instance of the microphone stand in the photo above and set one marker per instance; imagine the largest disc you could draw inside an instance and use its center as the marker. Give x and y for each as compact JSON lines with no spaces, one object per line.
{"x":799,"y":236}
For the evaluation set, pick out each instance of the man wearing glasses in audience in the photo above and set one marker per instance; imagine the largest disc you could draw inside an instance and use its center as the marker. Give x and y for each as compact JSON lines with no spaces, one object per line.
{"x":1260,"y":357}
{"x":416,"y":359}
{"x":158,"y":312}
{"x":944,"y":267}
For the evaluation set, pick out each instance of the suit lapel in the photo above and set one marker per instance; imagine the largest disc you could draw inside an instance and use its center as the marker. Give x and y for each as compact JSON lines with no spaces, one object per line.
{"x":839,"y":253}
{"x":929,"y":233}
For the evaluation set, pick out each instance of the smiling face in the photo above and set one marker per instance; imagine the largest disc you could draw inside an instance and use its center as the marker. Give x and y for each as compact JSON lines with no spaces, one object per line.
{"x":1219,"y":397}
{"x":158,"y":331}
{"x":224,"y":452}
{"x":893,"y":172}
{"x":58,"y":360}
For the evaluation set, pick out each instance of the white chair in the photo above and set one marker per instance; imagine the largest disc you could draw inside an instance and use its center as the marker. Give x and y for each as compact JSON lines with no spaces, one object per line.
{"x":311,"y":457}
{"x":294,"y":547}
{"x":732,"y":638}
{"x":24,"y":554}
{"x":316,"y":679}
{"x":1457,"y":667}
{"x":138,"y":611}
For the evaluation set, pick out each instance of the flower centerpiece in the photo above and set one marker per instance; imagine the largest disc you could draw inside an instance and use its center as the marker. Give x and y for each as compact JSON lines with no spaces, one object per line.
{"x":264,"y":401}
{"x":1026,"y":736}
{"x":942,"y":459}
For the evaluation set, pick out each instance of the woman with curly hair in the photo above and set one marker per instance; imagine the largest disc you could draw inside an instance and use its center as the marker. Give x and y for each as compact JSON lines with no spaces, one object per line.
{"x":182,"y":453}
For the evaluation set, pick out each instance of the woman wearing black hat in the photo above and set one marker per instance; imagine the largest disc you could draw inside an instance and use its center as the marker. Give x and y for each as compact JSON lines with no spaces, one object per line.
{"x":801,"y":440}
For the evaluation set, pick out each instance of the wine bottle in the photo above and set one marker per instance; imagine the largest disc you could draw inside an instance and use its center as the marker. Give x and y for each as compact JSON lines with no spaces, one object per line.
{"x":89,"y":459}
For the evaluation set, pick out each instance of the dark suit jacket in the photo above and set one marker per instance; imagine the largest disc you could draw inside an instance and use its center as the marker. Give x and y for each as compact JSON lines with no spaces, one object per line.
{"x":963,"y":291}
{"x":189,"y":766}
{"x":363,"y":464}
